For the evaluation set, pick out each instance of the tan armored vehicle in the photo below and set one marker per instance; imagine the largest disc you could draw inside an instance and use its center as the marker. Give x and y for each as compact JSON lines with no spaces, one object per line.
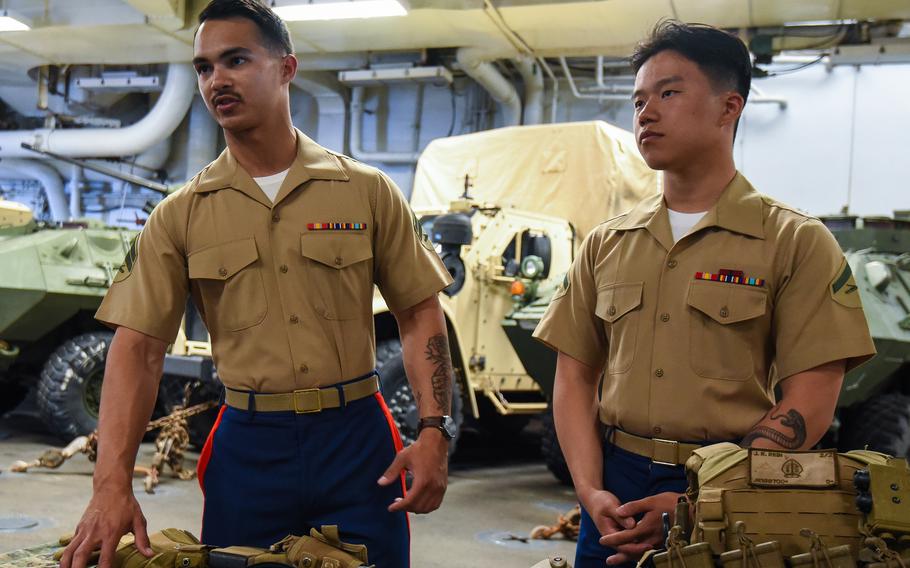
{"x":506,"y":210}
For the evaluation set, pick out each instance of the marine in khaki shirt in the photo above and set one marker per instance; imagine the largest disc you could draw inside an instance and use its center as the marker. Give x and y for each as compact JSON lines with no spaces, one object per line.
{"x":284,"y":283}
{"x":693,"y":336}
{"x":285,"y":289}
{"x":672,"y":335}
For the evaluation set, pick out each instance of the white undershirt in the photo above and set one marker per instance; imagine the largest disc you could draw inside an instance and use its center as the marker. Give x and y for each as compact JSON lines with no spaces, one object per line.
{"x":271,"y":184}
{"x":682,"y":223}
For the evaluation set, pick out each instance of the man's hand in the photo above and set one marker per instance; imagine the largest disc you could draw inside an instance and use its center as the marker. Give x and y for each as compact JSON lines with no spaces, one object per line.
{"x":631,"y":543}
{"x":603,"y":507}
{"x":108,"y":516}
{"x":428,"y":461}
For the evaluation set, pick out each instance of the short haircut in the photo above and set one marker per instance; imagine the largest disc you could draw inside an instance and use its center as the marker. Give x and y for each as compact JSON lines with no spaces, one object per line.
{"x":274,"y":32}
{"x":722,"y":56}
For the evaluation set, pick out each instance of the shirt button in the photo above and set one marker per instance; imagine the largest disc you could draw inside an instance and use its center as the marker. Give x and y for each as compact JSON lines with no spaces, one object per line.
{"x":338,"y":261}
{"x":664,"y":317}
{"x":304,"y":369}
{"x":283,"y":268}
{"x":222,"y":271}
{"x":657,"y":430}
{"x":275,"y":218}
{"x":612,"y":310}
{"x":294,"y":319}
{"x":724,"y":312}
{"x":672,"y":264}
{"x":659,"y":373}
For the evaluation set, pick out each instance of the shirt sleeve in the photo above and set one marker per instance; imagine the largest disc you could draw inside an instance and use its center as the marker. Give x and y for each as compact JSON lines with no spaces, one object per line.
{"x":406,"y":266}
{"x":818,"y":314}
{"x":150,"y":289}
{"x":570,"y":324}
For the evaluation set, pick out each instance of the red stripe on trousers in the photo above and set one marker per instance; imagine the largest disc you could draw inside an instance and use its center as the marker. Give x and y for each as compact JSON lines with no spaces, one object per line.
{"x":396,"y":437}
{"x":206,"y":454}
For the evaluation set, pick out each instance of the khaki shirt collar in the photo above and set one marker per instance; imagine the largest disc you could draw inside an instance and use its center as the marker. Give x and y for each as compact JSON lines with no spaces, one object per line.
{"x":739,"y":209}
{"x":312,"y":162}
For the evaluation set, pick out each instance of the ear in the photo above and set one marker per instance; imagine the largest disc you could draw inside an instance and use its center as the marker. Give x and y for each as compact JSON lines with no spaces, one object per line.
{"x":288,"y":68}
{"x":733,"y":104}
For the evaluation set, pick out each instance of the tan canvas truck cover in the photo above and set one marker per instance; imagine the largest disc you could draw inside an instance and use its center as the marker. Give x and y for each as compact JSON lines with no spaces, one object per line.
{"x":584,"y":172}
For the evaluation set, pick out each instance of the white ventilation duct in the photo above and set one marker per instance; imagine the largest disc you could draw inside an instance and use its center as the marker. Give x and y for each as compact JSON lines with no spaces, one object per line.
{"x":533,"y":80}
{"x":47,"y":177}
{"x":202,"y":143}
{"x":329,"y":96}
{"x":476,"y":63}
{"x":158,"y":124}
{"x":357,"y":150}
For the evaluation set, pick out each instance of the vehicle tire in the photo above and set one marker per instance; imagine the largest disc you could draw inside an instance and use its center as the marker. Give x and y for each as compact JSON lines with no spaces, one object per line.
{"x":69,"y":390}
{"x":170,"y":396}
{"x":552,"y":453}
{"x":398,"y":396}
{"x":386,"y":350}
{"x":882,"y":423}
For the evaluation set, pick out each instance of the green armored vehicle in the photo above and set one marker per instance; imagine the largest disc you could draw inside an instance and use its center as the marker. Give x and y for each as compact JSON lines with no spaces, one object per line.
{"x":874,"y":405}
{"x":52,"y":280}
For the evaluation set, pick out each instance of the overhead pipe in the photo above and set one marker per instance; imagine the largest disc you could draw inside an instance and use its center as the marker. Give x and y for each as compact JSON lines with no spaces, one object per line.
{"x":616,"y":93}
{"x":330,"y":104}
{"x":158,"y":124}
{"x":202,"y":141}
{"x":49,"y":179}
{"x":533,"y":80}
{"x":357,"y":150}
{"x":476,"y":63}
{"x":76,"y":192}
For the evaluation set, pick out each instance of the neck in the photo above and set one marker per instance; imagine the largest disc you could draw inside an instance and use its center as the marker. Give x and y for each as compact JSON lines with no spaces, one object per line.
{"x":698,"y":186}
{"x":265,"y":150}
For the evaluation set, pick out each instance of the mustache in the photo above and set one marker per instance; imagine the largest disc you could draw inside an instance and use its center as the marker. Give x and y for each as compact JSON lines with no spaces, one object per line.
{"x":224,"y":94}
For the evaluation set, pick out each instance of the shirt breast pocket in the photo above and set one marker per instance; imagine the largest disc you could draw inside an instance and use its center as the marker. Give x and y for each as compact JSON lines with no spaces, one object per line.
{"x":339,"y":274}
{"x":727,"y":328}
{"x":230,"y":282}
{"x":618,"y":306}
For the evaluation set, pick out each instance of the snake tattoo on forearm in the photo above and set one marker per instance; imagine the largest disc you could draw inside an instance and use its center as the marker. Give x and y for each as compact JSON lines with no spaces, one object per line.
{"x":792,"y":420}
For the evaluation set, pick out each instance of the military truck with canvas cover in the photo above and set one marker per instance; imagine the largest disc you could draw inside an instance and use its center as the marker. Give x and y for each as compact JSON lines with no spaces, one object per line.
{"x":53,"y":279}
{"x":506,"y":209}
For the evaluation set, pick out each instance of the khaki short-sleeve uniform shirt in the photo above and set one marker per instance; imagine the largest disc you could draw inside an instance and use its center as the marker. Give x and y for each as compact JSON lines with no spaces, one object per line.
{"x":285,"y":289}
{"x":694,"y":336}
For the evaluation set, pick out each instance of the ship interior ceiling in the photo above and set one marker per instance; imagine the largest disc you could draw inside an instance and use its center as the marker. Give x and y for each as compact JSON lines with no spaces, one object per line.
{"x":107,"y":83}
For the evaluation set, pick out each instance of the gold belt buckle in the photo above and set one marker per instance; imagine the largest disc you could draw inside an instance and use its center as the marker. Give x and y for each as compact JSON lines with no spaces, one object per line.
{"x":305,"y":395}
{"x":665,"y":452}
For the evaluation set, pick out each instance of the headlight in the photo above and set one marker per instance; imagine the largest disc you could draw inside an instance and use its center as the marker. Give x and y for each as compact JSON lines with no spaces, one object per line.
{"x":532,"y":267}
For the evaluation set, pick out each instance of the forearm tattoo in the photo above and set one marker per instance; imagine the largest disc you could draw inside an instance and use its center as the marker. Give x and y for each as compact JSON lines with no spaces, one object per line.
{"x":792,"y":420}
{"x":438,"y":354}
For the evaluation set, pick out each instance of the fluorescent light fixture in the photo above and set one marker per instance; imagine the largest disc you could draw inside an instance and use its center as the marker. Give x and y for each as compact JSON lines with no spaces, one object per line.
{"x":10,"y":23}
{"x":341,"y":10}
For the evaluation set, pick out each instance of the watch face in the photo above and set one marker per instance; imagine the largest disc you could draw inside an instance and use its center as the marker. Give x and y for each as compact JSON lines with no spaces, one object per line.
{"x":448,"y":423}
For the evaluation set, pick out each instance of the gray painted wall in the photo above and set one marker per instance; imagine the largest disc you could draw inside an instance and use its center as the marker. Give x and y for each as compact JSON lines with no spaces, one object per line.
{"x":844,"y":138}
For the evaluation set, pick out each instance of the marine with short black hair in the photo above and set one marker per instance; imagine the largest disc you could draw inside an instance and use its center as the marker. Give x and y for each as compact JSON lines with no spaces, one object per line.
{"x":279,"y":242}
{"x":680,"y":319}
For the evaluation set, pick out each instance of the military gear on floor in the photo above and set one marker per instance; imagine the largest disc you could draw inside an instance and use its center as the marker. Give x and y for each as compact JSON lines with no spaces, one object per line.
{"x":777,"y":494}
{"x":883,"y":496}
{"x":680,"y":554}
{"x":556,"y":561}
{"x":821,"y":556}
{"x":750,"y":555}
{"x":176,"y":548}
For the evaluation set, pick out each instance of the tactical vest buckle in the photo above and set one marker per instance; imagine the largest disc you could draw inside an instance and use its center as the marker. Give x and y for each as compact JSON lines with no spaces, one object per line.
{"x":307,"y":401}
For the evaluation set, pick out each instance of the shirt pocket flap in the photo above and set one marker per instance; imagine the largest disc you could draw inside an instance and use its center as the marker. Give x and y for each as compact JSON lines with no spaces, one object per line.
{"x":338,"y":250}
{"x":220,"y":262}
{"x":616,"y":300}
{"x":727,"y":303}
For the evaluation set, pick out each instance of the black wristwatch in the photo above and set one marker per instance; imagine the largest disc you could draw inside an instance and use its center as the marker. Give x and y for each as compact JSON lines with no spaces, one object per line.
{"x":444,"y":424}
